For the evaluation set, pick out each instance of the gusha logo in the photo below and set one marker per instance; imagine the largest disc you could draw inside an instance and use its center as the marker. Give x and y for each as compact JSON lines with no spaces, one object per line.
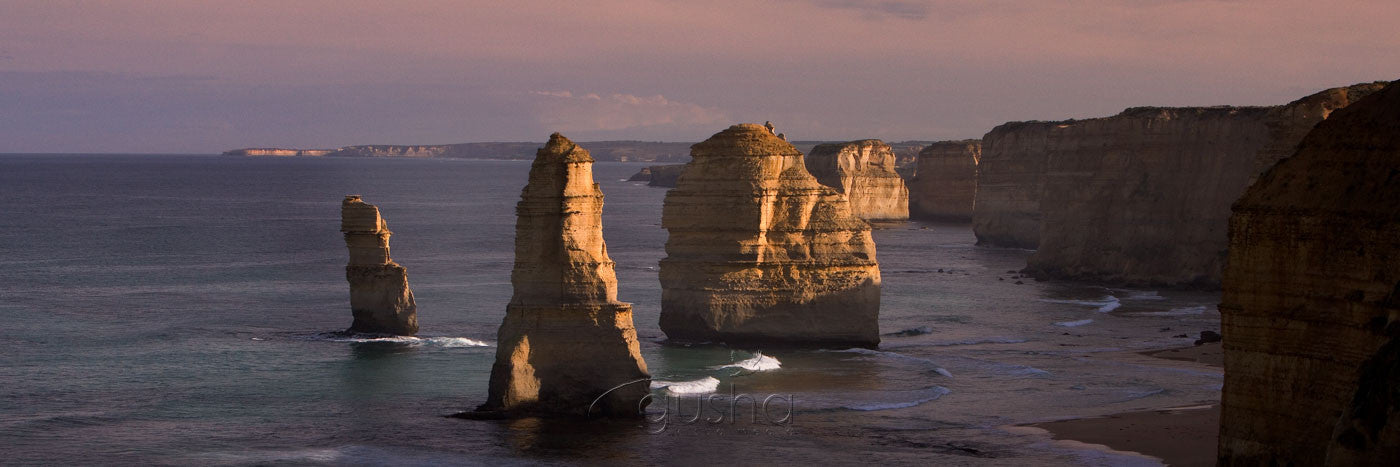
{"x":713,"y":408}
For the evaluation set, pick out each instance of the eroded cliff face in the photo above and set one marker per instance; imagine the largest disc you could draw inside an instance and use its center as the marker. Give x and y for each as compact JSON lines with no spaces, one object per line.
{"x":380,"y":298}
{"x":863,"y":171}
{"x":1144,"y":197}
{"x":759,"y":252}
{"x":1311,"y":305}
{"x":1010,"y":176}
{"x":566,"y":346}
{"x":944,"y":186}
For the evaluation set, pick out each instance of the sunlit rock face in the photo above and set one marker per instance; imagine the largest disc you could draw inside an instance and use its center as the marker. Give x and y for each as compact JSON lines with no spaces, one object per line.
{"x":945,"y":181}
{"x":761,"y":253}
{"x":380,"y":298}
{"x":566,"y":346}
{"x":864,"y":171}
{"x":1144,"y":197}
{"x":1311,"y":305}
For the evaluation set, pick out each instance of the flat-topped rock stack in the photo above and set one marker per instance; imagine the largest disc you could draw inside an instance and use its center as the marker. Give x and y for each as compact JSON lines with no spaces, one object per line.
{"x":863,"y":171}
{"x":1311,"y":305}
{"x":1010,"y":178}
{"x":944,"y":186}
{"x":759,"y":252}
{"x":566,"y":346}
{"x":380,"y":298}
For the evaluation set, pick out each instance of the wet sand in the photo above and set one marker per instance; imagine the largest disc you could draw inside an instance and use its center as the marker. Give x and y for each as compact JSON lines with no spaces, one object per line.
{"x":1209,"y":354}
{"x":1181,"y":436}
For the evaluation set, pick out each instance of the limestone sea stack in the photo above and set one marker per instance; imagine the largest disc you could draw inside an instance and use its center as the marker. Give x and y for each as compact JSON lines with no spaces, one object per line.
{"x":945,"y":181}
{"x":761,"y":253}
{"x":1144,"y":197}
{"x":380,"y":298}
{"x":863,"y":171}
{"x":1311,"y":305}
{"x":566,"y":346}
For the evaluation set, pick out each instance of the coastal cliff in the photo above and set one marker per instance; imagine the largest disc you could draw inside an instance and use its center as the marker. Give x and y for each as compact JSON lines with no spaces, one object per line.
{"x":620,"y":151}
{"x":380,"y":299}
{"x":566,"y":345}
{"x":863,"y":171}
{"x":759,"y":252}
{"x":278,"y":152}
{"x":1311,"y":305}
{"x":1143,"y":197}
{"x":945,"y":181}
{"x":1010,"y":176}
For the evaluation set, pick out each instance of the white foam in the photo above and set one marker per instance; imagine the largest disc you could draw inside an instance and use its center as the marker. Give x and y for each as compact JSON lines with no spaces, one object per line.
{"x":704,"y":385}
{"x":1104,"y":305}
{"x":759,"y":362}
{"x":445,"y":342}
{"x":1071,"y":324}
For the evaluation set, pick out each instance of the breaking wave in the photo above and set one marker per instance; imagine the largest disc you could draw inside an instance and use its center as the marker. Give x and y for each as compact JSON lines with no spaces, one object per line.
{"x":704,"y":385}
{"x":1071,"y":324}
{"x":1103,"y":305}
{"x":445,"y":342}
{"x":759,"y":362}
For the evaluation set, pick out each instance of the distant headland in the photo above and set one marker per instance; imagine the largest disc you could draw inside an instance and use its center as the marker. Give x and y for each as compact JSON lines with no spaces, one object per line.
{"x":613,"y":151}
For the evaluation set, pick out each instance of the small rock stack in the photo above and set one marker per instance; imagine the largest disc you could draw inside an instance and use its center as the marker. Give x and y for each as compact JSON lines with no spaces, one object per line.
{"x":380,"y":298}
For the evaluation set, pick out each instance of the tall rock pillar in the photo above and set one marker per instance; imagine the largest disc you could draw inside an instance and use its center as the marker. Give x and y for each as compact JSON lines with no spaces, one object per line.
{"x":566,"y":346}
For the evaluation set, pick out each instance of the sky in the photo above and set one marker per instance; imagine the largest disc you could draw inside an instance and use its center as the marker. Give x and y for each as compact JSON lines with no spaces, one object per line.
{"x":189,"y":76}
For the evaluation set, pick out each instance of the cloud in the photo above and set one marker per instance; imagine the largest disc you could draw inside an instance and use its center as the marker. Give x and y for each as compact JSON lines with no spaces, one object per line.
{"x":591,"y":113}
{"x":903,"y":9}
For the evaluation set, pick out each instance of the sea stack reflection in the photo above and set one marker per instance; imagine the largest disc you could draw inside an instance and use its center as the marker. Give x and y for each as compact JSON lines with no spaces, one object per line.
{"x":760,"y":252}
{"x":566,"y":346}
{"x":379,"y":295}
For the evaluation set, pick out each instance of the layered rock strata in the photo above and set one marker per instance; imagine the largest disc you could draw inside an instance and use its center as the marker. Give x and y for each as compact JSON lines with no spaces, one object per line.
{"x":1010,"y":176}
{"x":1144,"y":197}
{"x":566,"y":346}
{"x":759,"y":252}
{"x":380,"y":298}
{"x":863,"y":171}
{"x":1311,"y":305}
{"x":944,"y":186}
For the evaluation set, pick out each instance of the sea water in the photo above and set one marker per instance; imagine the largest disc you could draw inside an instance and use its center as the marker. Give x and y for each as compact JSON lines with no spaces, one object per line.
{"x":177,"y":310}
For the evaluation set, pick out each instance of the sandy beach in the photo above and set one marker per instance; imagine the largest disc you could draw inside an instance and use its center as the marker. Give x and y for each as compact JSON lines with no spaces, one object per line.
{"x":1180,"y":436}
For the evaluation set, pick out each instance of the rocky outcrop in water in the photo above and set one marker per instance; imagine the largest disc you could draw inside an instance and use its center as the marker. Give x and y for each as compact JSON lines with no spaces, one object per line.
{"x":659,"y":175}
{"x":863,"y":171}
{"x":566,"y":346}
{"x":1311,"y":305}
{"x":945,"y":183}
{"x":1144,"y":197}
{"x":760,"y":252}
{"x":380,"y":298}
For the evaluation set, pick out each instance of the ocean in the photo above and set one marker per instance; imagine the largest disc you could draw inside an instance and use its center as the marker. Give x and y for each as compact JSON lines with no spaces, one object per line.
{"x":164,"y":309}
